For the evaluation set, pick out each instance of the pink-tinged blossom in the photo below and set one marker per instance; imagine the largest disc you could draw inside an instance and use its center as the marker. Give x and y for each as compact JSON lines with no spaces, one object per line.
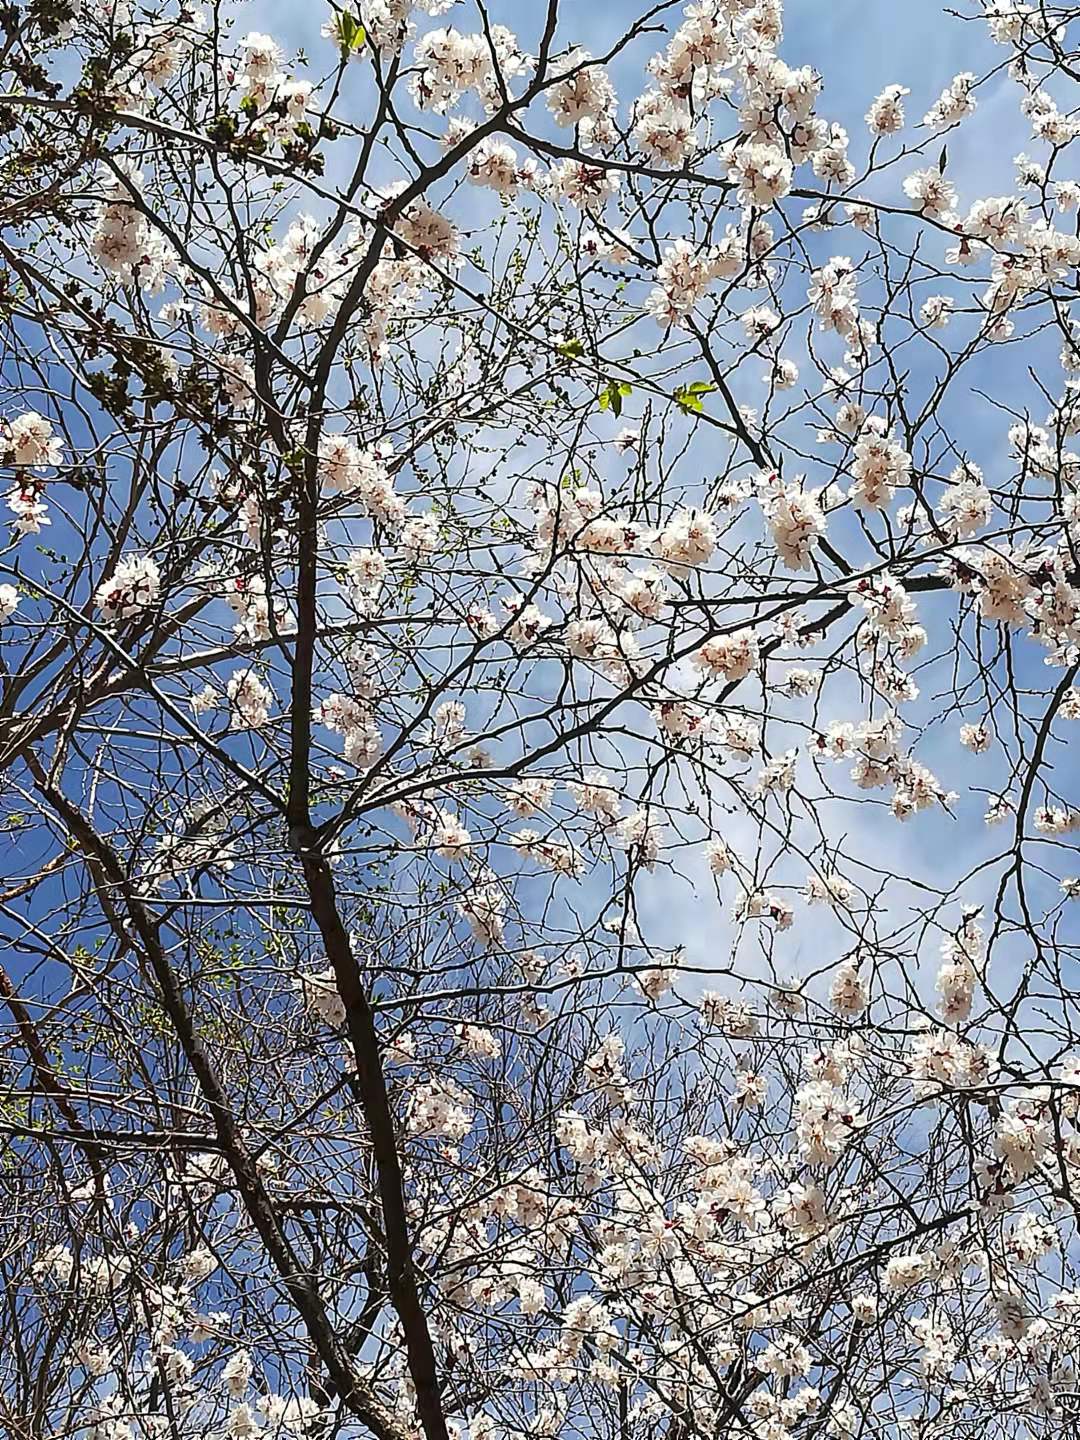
{"x":134,"y":586}
{"x":250,"y":699}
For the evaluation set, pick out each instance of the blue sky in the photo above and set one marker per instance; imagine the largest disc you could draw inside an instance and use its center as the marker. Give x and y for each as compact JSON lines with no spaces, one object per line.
{"x":859,"y":48}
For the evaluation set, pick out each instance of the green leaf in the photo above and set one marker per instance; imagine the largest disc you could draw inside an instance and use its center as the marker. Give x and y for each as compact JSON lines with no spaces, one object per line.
{"x":572,"y":349}
{"x":613,"y":394}
{"x":689,"y":397}
{"x":353,"y":35}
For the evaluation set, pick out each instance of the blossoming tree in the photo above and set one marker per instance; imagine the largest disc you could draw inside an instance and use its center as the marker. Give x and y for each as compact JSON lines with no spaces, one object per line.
{"x":539,"y":627}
